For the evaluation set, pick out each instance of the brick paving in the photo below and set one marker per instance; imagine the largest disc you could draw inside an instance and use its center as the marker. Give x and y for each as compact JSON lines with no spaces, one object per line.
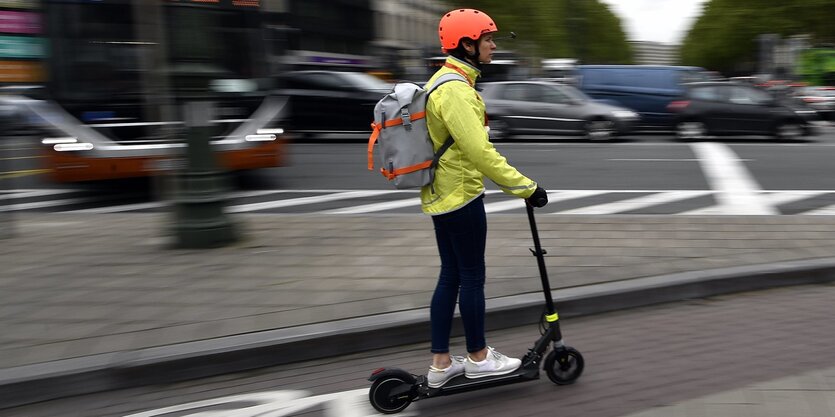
{"x":74,"y":285}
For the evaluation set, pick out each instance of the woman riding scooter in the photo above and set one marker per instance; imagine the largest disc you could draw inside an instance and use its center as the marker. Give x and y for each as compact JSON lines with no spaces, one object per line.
{"x":455,"y":199}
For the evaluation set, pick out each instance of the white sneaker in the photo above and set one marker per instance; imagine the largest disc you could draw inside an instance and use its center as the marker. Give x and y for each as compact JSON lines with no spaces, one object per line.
{"x":438,"y":377}
{"x":494,"y":364}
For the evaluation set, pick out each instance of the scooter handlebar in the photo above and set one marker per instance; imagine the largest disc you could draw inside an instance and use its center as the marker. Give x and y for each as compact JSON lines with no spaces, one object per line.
{"x":540,"y":202}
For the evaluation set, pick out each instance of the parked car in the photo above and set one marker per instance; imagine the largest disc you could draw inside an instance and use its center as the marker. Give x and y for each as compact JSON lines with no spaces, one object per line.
{"x":721,"y":108}
{"x":330,"y":101}
{"x":543,"y":107}
{"x":820,"y":99}
{"x":646,"y":89}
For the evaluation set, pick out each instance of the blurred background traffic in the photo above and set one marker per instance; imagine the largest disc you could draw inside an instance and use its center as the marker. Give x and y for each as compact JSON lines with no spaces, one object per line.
{"x":102,"y":84}
{"x":128,"y":107}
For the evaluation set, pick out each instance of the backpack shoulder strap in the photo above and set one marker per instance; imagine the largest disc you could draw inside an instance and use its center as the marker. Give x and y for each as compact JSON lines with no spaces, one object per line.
{"x":445,"y":78}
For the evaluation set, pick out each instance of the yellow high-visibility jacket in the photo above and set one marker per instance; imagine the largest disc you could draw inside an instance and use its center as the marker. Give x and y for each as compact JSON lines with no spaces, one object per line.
{"x":455,"y":108}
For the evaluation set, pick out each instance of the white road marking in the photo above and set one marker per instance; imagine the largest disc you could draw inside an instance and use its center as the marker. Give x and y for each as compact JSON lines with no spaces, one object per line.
{"x":771,"y":198}
{"x":49,"y":203}
{"x":736,"y":190}
{"x":374,"y":207}
{"x":636,"y":203}
{"x":559,"y":144}
{"x":119,"y":208}
{"x":704,"y":211}
{"x":277,"y":404}
{"x":303,"y":200}
{"x":157,"y":204}
{"x":785,"y":197}
{"x":662,"y":159}
{"x":823,"y":211}
{"x":37,"y":193}
{"x":553,"y":196}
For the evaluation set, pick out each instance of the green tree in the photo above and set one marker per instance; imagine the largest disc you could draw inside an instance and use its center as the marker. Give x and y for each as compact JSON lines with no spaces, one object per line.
{"x":724,"y":37}
{"x":582,"y":29}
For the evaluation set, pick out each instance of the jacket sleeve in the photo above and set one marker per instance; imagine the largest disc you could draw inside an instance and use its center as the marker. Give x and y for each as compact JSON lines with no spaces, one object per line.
{"x":460,"y":109}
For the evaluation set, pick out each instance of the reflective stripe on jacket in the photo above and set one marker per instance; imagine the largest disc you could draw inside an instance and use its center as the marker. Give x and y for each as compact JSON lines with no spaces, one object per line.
{"x":456,"y":108}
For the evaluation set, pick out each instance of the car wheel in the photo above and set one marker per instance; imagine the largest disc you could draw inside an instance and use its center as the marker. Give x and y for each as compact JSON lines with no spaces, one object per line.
{"x":788,"y":130}
{"x":499,"y":130}
{"x":600,"y":130}
{"x":691,"y":130}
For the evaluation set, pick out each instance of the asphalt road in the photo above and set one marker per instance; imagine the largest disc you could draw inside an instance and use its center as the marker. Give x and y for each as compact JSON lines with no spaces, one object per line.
{"x":794,"y":178}
{"x":635,"y":360}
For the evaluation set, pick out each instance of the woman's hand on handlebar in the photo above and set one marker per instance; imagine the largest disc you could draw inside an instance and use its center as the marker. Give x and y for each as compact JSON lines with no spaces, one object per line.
{"x":539,"y":198}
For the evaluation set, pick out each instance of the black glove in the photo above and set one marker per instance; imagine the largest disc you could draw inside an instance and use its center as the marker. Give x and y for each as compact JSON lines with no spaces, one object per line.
{"x":539,"y":198}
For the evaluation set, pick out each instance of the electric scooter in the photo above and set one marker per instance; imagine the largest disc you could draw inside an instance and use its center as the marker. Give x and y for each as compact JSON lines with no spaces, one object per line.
{"x":393,"y":389}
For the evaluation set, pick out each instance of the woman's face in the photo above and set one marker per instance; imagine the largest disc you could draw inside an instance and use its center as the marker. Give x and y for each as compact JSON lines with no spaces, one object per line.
{"x":486,"y":46}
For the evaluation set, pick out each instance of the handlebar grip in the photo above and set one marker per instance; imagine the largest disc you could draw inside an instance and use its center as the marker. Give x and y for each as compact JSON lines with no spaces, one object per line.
{"x":539,"y":202}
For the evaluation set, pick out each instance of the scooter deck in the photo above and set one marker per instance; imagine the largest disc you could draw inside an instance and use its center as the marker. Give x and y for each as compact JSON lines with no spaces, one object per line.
{"x":462,"y":384}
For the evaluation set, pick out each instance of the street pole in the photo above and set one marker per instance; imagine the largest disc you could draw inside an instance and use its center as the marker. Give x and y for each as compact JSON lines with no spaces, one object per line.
{"x":201,"y":190}
{"x":200,"y":220}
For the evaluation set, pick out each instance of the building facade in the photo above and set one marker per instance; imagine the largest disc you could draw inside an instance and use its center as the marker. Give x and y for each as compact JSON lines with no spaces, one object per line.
{"x":406,"y":34}
{"x":655,"y":53}
{"x":390,"y":37}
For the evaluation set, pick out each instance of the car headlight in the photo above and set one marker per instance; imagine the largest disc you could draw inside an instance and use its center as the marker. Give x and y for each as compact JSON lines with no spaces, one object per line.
{"x":805,"y":112}
{"x":625,"y":114}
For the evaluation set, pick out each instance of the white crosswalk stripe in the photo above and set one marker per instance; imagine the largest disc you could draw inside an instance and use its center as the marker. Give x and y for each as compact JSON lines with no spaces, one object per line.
{"x":36,"y":193}
{"x":158,"y":204}
{"x":376,"y":207}
{"x":345,"y":202}
{"x":120,"y":208}
{"x":636,"y":203}
{"x":49,"y":203}
{"x":787,"y":197}
{"x":303,"y":201}
{"x":737,"y":191}
{"x":823,"y":211}
{"x":555,"y":196}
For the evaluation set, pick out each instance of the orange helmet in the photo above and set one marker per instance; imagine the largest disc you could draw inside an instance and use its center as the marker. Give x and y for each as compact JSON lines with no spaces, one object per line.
{"x":463,"y":23}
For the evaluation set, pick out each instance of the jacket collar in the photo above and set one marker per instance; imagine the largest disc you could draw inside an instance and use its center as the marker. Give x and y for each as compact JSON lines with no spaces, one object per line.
{"x":472,"y":72}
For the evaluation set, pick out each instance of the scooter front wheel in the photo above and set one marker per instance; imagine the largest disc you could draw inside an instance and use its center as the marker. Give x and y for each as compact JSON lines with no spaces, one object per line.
{"x":564,"y":365}
{"x":380,"y":395}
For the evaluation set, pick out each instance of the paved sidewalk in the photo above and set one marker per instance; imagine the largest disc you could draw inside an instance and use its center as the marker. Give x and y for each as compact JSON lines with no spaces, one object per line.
{"x":810,"y":394}
{"x":84,"y":293}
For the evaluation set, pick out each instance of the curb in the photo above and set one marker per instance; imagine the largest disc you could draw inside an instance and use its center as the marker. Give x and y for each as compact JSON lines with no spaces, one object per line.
{"x":78,"y":376}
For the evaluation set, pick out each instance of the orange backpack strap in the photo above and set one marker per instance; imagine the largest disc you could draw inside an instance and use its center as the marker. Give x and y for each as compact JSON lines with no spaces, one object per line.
{"x":405,"y":170}
{"x":375,"y":133}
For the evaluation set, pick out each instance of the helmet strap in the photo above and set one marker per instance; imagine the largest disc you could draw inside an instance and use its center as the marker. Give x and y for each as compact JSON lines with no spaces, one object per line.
{"x":473,"y":58}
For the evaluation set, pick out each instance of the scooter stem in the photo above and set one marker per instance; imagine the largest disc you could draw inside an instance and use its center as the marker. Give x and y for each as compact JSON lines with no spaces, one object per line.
{"x":540,"y":260}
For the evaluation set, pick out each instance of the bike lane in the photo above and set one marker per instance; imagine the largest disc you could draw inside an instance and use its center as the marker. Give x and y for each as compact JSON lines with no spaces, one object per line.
{"x":650,"y":361}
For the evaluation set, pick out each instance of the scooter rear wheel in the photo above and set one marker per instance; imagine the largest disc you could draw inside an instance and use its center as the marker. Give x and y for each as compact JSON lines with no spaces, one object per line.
{"x":380,"y":395}
{"x":564,"y":366}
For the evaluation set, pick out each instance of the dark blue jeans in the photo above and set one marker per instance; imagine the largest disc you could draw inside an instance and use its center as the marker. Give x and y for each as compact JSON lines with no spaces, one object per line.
{"x":461,"y":236}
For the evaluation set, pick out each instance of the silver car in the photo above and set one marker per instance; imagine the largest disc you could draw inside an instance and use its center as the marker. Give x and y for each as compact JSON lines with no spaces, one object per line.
{"x":820,"y":99}
{"x":548,"y":108}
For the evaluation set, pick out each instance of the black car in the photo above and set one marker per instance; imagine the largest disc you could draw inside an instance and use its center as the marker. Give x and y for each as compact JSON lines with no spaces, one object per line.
{"x":330,"y":101}
{"x":544,"y":107}
{"x":722,"y":108}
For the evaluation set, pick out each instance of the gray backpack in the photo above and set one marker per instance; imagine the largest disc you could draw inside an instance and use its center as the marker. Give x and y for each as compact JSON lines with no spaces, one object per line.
{"x":400,"y":127}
